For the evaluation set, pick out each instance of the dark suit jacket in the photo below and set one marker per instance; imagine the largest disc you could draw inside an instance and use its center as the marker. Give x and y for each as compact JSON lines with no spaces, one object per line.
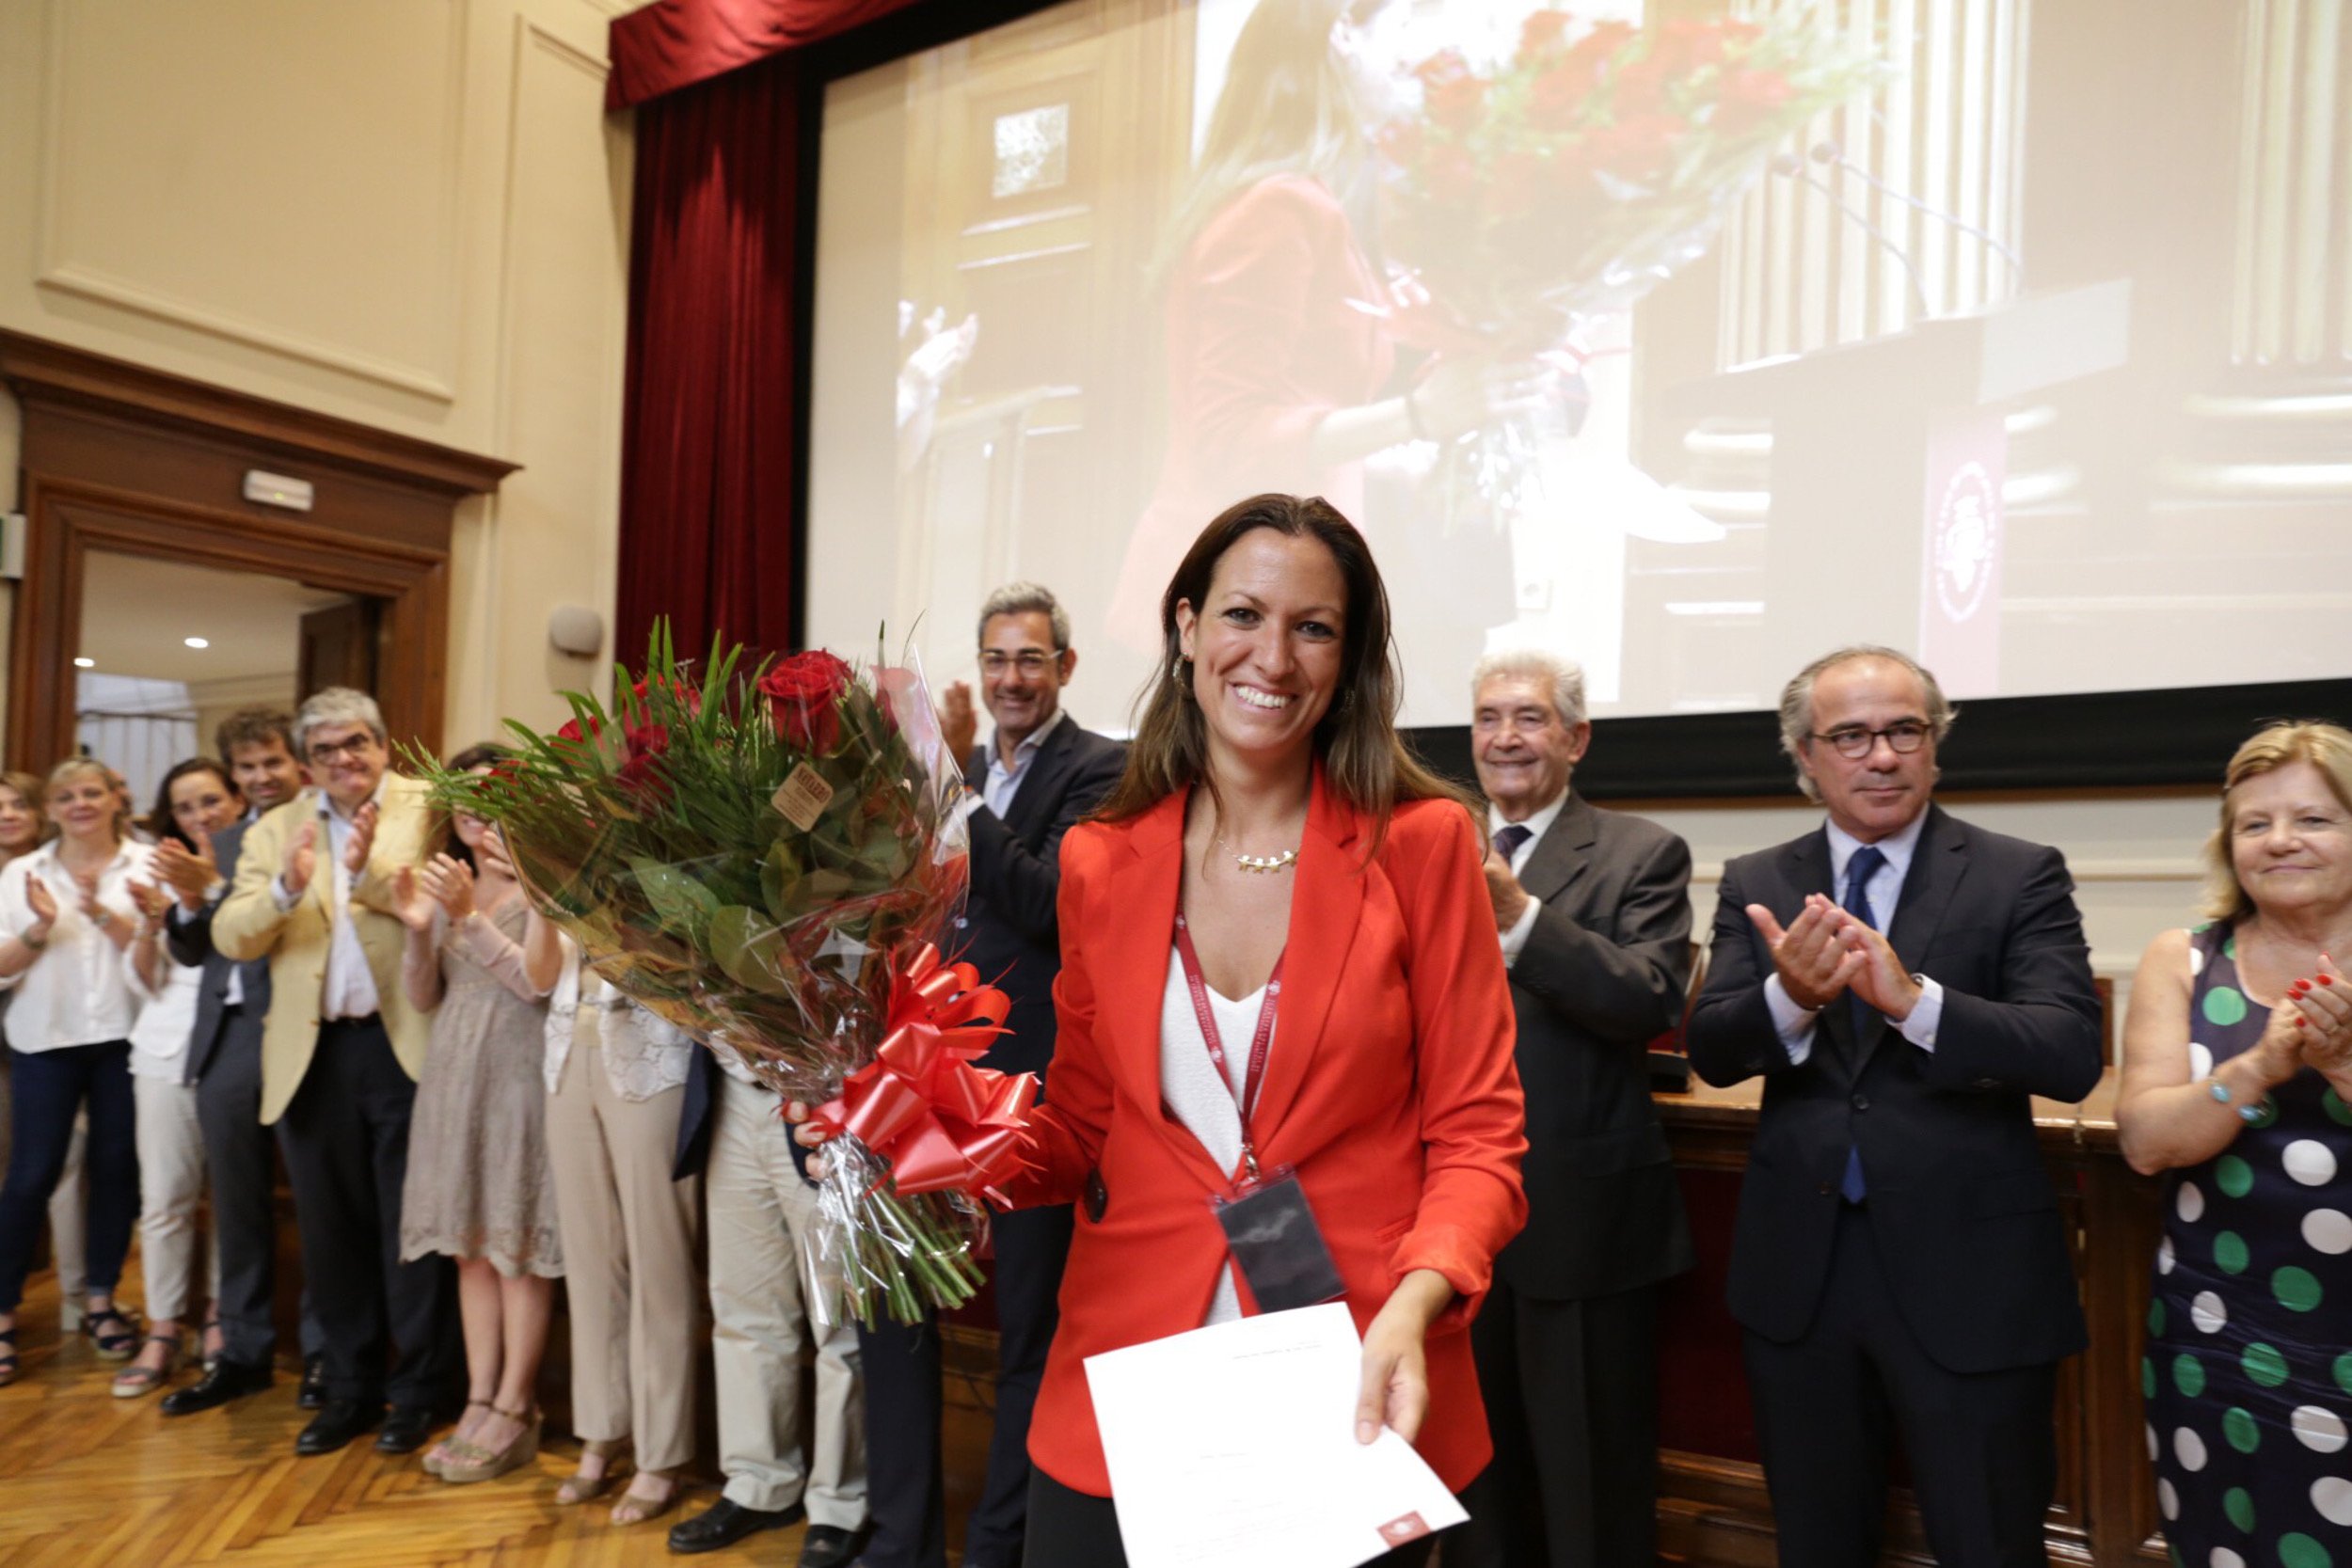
{"x":1602,"y":974}
{"x":1960,"y":1207}
{"x":1008,"y":929}
{"x":190,"y":938}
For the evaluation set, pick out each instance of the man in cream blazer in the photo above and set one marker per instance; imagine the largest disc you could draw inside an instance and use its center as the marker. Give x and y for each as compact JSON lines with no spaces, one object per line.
{"x":340,"y":1051}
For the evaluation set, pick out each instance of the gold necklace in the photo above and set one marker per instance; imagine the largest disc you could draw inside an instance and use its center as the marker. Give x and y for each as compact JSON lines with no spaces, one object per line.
{"x":1265,"y":863}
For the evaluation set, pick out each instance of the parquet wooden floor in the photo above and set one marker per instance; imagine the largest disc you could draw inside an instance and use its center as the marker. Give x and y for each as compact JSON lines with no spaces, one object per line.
{"x":86,"y":1479}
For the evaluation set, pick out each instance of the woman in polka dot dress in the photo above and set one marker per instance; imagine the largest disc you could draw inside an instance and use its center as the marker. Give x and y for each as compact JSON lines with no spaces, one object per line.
{"x":2236,"y":1075}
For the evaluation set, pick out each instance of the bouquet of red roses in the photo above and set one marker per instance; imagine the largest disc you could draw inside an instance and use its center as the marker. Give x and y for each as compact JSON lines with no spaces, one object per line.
{"x":1576,"y":173}
{"x":765,"y":858}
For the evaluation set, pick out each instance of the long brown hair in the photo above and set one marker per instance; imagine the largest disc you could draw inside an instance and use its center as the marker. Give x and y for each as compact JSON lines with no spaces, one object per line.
{"x":1366,"y":763}
{"x":1286,"y":108}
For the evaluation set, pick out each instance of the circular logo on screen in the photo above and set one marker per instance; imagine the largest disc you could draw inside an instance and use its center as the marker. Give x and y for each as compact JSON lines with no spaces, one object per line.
{"x":1967,"y":540}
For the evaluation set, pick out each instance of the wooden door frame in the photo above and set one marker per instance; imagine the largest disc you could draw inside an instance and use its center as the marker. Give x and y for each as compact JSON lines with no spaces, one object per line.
{"x":119,"y":458}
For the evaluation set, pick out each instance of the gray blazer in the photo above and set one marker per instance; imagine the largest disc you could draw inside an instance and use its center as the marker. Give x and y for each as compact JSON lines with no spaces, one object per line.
{"x":190,"y":938}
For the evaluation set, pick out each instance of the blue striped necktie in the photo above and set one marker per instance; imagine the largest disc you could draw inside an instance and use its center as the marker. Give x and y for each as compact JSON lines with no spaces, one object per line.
{"x":1859,"y":871}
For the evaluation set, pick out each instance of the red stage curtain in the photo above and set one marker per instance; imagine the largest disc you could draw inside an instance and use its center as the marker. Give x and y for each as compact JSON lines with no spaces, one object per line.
{"x":707,"y":424}
{"x":676,"y":43}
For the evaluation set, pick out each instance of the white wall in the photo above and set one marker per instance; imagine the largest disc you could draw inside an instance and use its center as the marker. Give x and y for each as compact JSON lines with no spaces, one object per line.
{"x":408,"y":213}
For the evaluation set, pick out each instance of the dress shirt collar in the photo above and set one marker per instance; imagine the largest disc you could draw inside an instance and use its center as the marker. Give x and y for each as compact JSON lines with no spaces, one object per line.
{"x":1538,"y":824}
{"x":1897,"y":847}
{"x":1027,"y":746}
{"x":326,"y":807}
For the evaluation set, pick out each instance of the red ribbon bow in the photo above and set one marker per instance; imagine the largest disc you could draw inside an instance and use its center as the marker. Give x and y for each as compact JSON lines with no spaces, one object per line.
{"x":942,"y":1123}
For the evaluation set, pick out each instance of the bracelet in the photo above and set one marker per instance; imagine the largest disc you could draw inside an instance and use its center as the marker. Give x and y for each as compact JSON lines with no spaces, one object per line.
{"x":35,"y":942}
{"x":2222,"y":1096}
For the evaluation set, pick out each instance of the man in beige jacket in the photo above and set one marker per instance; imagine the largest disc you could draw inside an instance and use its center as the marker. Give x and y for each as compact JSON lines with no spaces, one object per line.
{"x":340,"y":1051}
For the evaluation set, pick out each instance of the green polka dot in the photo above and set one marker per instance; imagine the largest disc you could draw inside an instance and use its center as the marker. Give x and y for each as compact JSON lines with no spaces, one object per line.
{"x":2336,"y":1107}
{"x":2234,"y":1176}
{"x":2225,"y":1006}
{"x":2147,"y":1378}
{"x":2243,"y":1431}
{"x":2262,"y":1363}
{"x":2189,"y":1374}
{"x":2155,"y":1319}
{"x":2298,"y":1289}
{"x":2229,"y":948}
{"x":2240,"y":1508}
{"x":2266,"y":1114}
{"x":2229,"y":1254}
{"x":2298,"y":1550}
{"x":2343,"y":1372}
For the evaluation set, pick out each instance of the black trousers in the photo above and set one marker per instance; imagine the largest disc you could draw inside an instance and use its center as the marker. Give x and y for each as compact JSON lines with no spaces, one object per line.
{"x":238,"y":1162}
{"x":346,"y":1144}
{"x":1829,"y":1407}
{"x":904,"y":1489}
{"x":50,"y":1087}
{"x":1571,"y":1394}
{"x":1073,"y":1529}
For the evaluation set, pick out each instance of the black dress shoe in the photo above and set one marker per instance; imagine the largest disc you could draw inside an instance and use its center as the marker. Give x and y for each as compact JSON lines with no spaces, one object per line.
{"x":405,"y":1429}
{"x":314,"y":1394}
{"x":337,"y":1423}
{"x":726,"y":1524}
{"x":830,"y":1545}
{"x":227,"y":1380}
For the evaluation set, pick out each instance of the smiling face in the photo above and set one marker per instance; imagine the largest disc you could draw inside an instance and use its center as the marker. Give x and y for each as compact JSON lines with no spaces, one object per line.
{"x":1267,"y":645}
{"x":471,"y":830}
{"x":20,"y":822}
{"x":2290,"y":840}
{"x":1884,"y":790}
{"x":348,"y":761}
{"x":1021,"y":674}
{"x":266,"y":773}
{"x":1522,"y":751}
{"x":200,"y":803}
{"x":83,"y":804}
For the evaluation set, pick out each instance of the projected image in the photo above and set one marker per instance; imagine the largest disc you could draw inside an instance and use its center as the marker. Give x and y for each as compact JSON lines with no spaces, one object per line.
{"x":1684,"y":342}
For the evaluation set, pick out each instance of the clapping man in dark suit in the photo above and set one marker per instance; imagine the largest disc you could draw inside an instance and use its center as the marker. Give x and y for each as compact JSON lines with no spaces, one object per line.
{"x":1594,"y":913}
{"x":1038,"y":776}
{"x":1905,"y":982}
{"x":225,"y":1063}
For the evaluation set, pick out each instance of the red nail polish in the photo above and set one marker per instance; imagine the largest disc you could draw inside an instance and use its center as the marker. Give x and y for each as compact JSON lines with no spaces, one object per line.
{"x":2327,"y":979}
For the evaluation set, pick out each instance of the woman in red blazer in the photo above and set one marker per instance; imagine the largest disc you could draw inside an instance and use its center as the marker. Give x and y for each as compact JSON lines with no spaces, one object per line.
{"x":1268,"y":798}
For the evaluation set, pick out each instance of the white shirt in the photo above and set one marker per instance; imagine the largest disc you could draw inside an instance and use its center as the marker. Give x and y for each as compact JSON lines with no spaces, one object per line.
{"x":1004,"y":782}
{"x":73,"y":993}
{"x":167,"y":1021}
{"x":1883,"y":890}
{"x":1536,"y":825}
{"x":1207,"y":1102}
{"x":349,"y":992}
{"x":644,"y":1053}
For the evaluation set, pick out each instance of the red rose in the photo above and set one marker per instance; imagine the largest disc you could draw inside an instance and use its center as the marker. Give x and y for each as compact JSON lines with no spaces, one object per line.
{"x":640,"y":771}
{"x":571,"y":731}
{"x":1446,"y":65}
{"x":1638,"y":148}
{"x":804,"y":693}
{"x":1640,"y":89}
{"x":1558,"y":97}
{"x":1454,"y":102}
{"x":1597,"y":48}
{"x":1750,"y":98}
{"x":1541,"y":31}
{"x":686,"y":694}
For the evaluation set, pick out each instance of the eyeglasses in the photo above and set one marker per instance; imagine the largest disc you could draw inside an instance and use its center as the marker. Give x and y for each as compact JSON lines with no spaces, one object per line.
{"x":1903,"y":736}
{"x":1029,"y":661}
{"x":351,"y":750}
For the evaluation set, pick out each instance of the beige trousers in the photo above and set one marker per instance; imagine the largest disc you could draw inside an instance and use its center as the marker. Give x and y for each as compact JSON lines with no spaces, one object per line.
{"x":759,"y":1206}
{"x":172,"y":1186}
{"x":628,"y":1260}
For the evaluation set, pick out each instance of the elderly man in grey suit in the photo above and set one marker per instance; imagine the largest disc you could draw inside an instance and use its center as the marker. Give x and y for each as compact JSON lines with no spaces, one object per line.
{"x":1593,"y":910}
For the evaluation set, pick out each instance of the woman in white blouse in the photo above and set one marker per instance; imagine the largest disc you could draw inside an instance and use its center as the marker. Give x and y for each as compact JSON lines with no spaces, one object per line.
{"x":616,"y":1083}
{"x":197,"y":798}
{"x":66,"y":916}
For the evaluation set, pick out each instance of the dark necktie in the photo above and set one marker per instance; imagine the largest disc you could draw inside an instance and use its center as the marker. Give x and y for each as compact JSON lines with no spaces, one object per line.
{"x":1507,"y":841}
{"x":1859,"y":871}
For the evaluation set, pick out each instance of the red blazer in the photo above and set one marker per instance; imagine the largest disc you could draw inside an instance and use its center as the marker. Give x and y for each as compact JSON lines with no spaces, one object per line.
{"x":1391,"y":1089}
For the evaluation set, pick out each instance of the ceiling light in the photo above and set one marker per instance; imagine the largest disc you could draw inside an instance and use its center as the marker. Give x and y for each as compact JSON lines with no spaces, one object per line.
{"x":195,"y":643}
{"x":86,"y":664}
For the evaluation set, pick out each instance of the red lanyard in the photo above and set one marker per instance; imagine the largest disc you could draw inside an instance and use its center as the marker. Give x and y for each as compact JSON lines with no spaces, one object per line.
{"x":1261,"y":1042}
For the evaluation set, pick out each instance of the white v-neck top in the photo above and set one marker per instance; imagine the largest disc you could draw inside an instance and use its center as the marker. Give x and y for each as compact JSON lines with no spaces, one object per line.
{"x":1202,"y":1098}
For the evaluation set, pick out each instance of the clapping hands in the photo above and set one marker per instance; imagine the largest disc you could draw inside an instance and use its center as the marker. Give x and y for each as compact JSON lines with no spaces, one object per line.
{"x":440,"y":884}
{"x":2323,"y":1009}
{"x":1826,"y":950}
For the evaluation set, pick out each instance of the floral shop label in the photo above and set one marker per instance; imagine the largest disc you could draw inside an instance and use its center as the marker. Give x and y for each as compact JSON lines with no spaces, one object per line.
{"x":802,"y":797}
